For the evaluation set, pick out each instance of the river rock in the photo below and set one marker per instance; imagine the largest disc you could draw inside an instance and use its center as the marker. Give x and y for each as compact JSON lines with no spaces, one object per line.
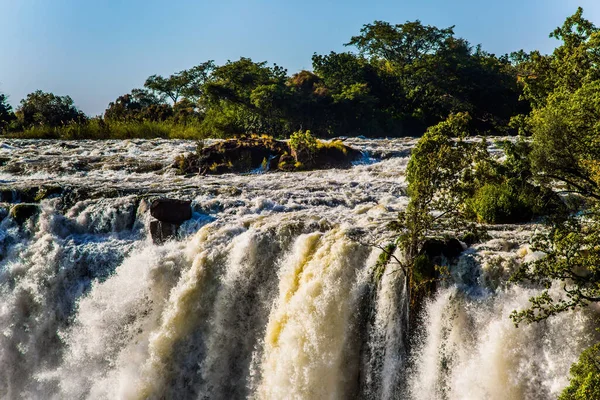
{"x":436,"y":248}
{"x":172,"y":211}
{"x":22,"y":212}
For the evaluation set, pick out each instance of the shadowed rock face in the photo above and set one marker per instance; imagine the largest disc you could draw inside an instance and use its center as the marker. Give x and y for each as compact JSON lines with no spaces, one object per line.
{"x":251,"y":153}
{"x":171,"y":211}
{"x":162,"y":231}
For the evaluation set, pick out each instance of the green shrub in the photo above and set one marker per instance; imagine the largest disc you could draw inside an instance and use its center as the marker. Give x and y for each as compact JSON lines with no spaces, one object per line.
{"x":500,"y":204}
{"x":304,"y":148}
{"x":303,"y":140}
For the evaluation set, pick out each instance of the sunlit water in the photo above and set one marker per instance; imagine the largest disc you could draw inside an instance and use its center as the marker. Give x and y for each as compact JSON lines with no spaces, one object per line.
{"x":263,"y":295}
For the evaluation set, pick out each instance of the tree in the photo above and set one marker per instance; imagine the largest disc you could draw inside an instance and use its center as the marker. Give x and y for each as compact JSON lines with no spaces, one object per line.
{"x":566,"y":139}
{"x":585,"y":377}
{"x":564,"y":91}
{"x":573,"y":259}
{"x":187,"y":83}
{"x":138,"y":105}
{"x":435,"y":74}
{"x":574,"y":62}
{"x":402,"y":43}
{"x":40,"y":108}
{"x":244,"y":96}
{"x":6,"y":112}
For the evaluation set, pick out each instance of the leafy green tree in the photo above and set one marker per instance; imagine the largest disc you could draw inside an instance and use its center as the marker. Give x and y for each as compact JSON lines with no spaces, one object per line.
{"x":401,"y":43}
{"x":566,"y":139}
{"x":574,"y":62}
{"x":246,"y":97}
{"x":40,"y":108}
{"x":572,"y":258}
{"x":585,"y":377}
{"x":139,"y":105}
{"x":437,"y":74}
{"x":440,"y":179}
{"x":187,"y":83}
{"x":564,"y":90}
{"x":364,"y":98}
{"x":308,"y":103}
{"x":6,"y":113}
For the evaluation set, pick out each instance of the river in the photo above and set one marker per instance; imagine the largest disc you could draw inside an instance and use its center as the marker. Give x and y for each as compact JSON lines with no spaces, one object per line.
{"x":264,"y":294}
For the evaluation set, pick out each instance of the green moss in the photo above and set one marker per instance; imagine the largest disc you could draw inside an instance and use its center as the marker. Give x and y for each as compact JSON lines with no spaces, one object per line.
{"x":382,"y":262}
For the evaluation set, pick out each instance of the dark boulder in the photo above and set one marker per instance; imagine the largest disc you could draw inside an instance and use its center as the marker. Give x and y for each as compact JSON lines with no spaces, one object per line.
{"x":171,"y":211}
{"x":22,"y":212}
{"x":434,"y":249}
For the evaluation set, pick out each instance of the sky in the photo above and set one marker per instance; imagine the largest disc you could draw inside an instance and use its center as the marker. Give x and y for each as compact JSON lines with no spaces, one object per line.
{"x":95,"y":51}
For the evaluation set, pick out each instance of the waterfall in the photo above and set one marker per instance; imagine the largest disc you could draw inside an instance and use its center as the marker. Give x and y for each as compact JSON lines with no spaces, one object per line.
{"x":263,"y":295}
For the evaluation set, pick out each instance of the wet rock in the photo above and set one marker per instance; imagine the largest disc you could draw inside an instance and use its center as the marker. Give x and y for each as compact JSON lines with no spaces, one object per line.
{"x":18,"y":195}
{"x":22,"y":212}
{"x":434,"y":249}
{"x":246,"y":154}
{"x":48,"y":192}
{"x":162,"y":231}
{"x":171,"y":211}
{"x":7,"y":195}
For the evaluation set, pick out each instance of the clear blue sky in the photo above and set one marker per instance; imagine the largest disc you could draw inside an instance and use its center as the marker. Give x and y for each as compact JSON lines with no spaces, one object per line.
{"x":95,"y":51}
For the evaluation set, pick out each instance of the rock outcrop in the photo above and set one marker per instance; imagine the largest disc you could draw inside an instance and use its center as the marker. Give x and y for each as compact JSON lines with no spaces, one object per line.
{"x":23,"y":211}
{"x":172,"y":211}
{"x":169,"y":214}
{"x":246,"y":154}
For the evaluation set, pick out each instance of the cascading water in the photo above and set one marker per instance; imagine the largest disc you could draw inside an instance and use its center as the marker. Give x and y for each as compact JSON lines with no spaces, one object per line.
{"x":264,"y":294}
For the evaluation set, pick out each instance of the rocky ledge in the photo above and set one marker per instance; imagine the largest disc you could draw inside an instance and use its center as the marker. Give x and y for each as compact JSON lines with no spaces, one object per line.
{"x":248,"y":154}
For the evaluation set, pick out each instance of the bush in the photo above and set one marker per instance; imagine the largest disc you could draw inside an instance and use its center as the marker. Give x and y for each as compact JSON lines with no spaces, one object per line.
{"x":98,"y":128}
{"x":304,"y":147}
{"x":303,"y":139}
{"x":500,"y":204}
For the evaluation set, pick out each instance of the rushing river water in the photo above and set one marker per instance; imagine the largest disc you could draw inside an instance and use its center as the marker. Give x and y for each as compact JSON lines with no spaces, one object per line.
{"x":263,"y":295}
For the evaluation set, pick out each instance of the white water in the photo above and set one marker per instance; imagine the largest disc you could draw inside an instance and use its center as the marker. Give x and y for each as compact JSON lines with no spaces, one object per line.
{"x":264,"y":295}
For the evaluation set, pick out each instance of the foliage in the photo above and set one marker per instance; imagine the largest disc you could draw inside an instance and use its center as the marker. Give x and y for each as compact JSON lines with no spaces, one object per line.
{"x":585,"y":377}
{"x":403,"y":79}
{"x":402,"y":43}
{"x":6,"y":112}
{"x":500,"y":204}
{"x":187,"y":83}
{"x":302,"y":139}
{"x":573,"y":258}
{"x":572,"y":63}
{"x":97,"y":128}
{"x":304,"y":147}
{"x":139,"y":105}
{"x":48,"y":109}
{"x":566,"y":138}
{"x":439,"y":178}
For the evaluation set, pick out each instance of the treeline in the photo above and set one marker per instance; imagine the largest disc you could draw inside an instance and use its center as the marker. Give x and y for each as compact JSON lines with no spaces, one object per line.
{"x":402,"y":79}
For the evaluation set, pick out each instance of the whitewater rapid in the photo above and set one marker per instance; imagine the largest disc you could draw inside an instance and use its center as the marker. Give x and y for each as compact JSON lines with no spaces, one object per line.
{"x":265,"y":293}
